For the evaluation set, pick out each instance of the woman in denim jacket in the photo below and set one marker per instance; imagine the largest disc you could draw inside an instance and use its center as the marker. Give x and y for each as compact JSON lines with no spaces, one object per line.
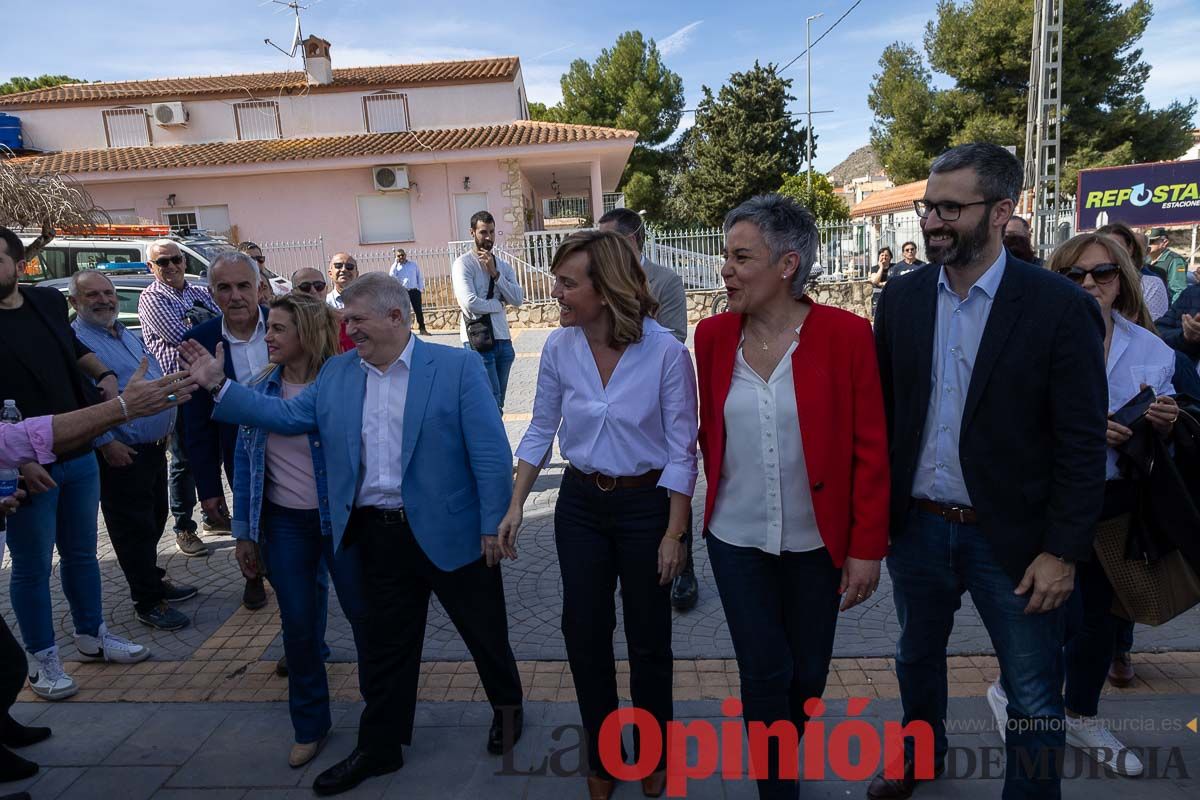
{"x":281,"y":518}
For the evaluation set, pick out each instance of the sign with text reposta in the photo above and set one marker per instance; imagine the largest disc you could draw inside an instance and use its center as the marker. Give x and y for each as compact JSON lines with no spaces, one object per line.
{"x":1163,"y":194}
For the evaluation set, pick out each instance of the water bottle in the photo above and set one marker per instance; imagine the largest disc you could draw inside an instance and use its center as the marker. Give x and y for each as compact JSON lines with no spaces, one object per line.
{"x":9,"y":477}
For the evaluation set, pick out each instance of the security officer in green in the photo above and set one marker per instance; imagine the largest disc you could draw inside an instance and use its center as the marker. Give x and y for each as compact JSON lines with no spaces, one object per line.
{"x":1166,"y":259}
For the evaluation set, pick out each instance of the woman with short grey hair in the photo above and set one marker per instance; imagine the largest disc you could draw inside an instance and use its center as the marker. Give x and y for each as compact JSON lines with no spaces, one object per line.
{"x":795,"y":455}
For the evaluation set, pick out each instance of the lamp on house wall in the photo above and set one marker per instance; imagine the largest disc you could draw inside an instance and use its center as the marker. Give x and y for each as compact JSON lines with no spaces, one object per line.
{"x":171,"y":200}
{"x":466,"y":183}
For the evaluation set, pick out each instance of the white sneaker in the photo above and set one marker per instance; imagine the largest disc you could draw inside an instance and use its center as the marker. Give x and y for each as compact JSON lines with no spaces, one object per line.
{"x":1090,"y":735}
{"x":998,"y":701}
{"x":105,"y":646}
{"x":46,"y":675}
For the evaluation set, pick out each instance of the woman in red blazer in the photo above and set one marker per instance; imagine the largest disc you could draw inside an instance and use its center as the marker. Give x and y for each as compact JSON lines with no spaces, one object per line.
{"x":795,"y":454}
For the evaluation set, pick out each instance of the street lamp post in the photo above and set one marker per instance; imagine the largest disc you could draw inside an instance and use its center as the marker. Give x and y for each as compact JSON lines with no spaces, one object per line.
{"x":808,"y":69}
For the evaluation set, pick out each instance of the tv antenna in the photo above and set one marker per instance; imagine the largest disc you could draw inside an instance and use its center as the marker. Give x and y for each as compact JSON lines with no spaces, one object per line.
{"x":297,"y":36}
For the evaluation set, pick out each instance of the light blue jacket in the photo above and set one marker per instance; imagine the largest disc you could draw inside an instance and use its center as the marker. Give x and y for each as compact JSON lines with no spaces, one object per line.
{"x":456,"y":461}
{"x":250,"y":468}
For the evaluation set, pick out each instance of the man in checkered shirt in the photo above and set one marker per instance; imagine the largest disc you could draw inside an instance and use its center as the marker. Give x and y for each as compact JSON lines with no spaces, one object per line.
{"x":167,"y":308}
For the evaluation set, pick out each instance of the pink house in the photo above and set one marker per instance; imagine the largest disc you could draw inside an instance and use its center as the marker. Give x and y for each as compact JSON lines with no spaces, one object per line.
{"x":367,"y":158}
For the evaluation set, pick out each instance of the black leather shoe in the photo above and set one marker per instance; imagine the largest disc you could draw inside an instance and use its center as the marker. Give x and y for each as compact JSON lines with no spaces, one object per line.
{"x":497,"y":735}
{"x":15,"y":768}
{"x":883,"y":788}
{"x":353,"y":770}
{"x":255,"y":595}
{"x":14,"y":734}
{"x":685,"y":592}
{"x":281,"y":667}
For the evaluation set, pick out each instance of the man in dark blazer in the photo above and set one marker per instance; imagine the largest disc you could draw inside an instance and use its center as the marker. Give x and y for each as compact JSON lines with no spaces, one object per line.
{"x":233,"y":281}
{"x":996,"y":397}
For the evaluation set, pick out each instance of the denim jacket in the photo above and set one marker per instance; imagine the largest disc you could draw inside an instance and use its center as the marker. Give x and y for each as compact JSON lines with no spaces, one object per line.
{"x":250,"y":467}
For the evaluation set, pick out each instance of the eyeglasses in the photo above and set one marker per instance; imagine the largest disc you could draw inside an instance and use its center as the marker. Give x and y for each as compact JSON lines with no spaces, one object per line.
{"x":1101,"y":273}
{"x":163,"y":261}
{"x":949,"y":210}
{"x":346,"y":265}
{"x":260,"y":259}
{"x":311,"y":286}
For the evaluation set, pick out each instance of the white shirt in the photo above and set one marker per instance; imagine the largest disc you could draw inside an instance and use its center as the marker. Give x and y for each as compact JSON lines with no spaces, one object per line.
{"x":383,"y":431}
{"x":1155,"y":292}
{"x":409,"y":275}
{"x":470,"y":282}
{"x":1135,"y":356}
{"x":645,"y":419}
{"x":764,"y":500}
{"x":249,"y":356}
{"x":334,"y":299}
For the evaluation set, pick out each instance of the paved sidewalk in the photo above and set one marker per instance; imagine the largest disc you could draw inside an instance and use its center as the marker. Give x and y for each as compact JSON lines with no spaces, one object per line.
{"x":225,"y":751}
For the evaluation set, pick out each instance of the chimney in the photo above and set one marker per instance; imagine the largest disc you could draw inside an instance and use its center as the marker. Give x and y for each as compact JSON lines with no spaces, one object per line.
{"x":316,"y":61}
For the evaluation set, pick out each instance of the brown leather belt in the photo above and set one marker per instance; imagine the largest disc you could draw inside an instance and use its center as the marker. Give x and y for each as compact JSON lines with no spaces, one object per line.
{"x":963,"y":515}
{"x":607,"y":483}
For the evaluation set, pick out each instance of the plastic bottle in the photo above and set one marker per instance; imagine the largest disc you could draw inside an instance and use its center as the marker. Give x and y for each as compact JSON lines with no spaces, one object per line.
{"x":9,"y":477}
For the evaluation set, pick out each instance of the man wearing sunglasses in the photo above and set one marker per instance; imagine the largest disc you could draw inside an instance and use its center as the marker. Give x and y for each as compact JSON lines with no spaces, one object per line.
{"x":310,"y":281}
{"x":343,"y":269}
{"x":996,"y":396}
{"x":164,"y":309}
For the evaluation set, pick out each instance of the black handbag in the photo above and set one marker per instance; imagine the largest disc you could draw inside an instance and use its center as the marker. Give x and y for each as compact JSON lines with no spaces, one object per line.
{"x":479,"y":331}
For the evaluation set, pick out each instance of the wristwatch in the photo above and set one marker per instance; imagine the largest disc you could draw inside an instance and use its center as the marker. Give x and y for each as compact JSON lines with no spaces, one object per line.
{"x":216,"y":389}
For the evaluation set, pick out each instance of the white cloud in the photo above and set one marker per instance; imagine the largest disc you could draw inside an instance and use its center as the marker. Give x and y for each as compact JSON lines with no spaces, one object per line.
{"x":678,"y":41}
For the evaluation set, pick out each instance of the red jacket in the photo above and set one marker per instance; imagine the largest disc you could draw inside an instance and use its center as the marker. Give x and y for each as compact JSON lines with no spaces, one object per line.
{"x":840,"y":406}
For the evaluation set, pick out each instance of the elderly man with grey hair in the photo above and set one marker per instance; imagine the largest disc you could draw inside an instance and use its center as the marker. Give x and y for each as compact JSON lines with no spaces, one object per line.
{"x":166,"y":309}
{"x":241,"y":330}
{"x":795,"y":455}
{"x":394,"y":402}
{"x":133,"y":474}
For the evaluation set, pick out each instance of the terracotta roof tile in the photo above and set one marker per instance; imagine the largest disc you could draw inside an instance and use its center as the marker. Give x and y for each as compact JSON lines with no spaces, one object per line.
{"x":212,"y":154}
{"x":898,"y":198}
{"x":254,"y":84}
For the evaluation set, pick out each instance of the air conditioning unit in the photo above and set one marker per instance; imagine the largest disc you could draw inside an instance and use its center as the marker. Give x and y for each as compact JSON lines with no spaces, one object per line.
{"x":390,"y":179}
{"x":169,"y":113}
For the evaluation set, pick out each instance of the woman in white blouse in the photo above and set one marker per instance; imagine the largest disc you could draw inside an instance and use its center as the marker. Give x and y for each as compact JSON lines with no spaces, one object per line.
{"x":1135,"y":358}
{"x":620,"y":392}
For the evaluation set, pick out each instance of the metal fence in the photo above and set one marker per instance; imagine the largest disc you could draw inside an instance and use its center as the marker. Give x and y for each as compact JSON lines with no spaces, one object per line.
{"x":284,"y":258}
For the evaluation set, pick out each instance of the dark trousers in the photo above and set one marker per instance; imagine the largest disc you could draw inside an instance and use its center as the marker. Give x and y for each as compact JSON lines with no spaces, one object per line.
{"x":181,"y":487}
{"x":397,"y":579}
{"x":931,"y":563}
{"x":414,"y":297}
{"x":133,"y":500}
{"x":1124,"y":637}
{"x":603,"y":537}
{"x":782,"y":612}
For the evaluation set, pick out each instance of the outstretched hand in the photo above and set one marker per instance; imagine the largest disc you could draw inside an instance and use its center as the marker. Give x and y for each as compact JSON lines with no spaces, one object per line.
{"x":205,"y":368}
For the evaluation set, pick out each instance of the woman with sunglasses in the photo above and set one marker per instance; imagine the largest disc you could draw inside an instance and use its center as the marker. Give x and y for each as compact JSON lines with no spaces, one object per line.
{"x":1155,"y":289}
{"x":1135,"y":357}
{"x":281,"y":518}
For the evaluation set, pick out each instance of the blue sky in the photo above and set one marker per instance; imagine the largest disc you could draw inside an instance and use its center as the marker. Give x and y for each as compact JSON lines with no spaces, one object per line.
{"x":703,"y":41}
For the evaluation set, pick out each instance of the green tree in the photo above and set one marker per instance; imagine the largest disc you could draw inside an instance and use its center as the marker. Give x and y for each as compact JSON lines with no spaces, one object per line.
{"x":983,"y":46}
{"x":743,"y":141}
{"x":823,"y":203}
{"x":20,"y":84}
{"x":628,"y":86}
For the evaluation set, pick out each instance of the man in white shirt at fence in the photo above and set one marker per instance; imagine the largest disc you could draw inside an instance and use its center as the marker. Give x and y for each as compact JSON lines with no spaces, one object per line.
{"x":483,"y":285}
{"x":410,"y":277}
{"x":343,"y":269}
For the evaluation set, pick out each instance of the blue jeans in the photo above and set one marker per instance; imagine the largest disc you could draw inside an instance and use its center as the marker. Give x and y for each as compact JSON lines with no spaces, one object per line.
{"x":297,"y":556}
{"x":498,"y":362}
{"x":782,"y":612}
{"x":64,"y":517}
{"x":932,"y":562}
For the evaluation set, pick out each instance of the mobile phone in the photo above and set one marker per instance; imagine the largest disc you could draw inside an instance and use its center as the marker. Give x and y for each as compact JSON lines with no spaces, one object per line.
{"x":1135,"y":409}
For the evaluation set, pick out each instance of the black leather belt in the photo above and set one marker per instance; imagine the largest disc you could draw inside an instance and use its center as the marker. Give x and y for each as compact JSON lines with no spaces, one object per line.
{"x":963,"y":515}
{"x":607,"y":483}
{"x":385,"y":516}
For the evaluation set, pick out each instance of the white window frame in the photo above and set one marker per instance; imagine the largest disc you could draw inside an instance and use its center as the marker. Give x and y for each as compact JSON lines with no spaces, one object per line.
{"x":130,"y":114}
{"x":382,"y":100}
{"x":389,"y":237}
{"x":257,"y":107}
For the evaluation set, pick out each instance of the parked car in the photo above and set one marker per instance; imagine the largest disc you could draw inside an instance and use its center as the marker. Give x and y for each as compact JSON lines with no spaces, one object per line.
{"x":129,"y":285}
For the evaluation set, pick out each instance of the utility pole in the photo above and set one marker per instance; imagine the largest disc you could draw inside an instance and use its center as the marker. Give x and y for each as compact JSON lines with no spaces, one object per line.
{"x":1043,"y":153}
{"x":808,"y":52}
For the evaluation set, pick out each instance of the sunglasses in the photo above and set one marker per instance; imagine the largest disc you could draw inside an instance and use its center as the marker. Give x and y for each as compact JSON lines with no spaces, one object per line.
{"x":1101,"y":273}
{"x":311,"y":286}
{"x":165,"y":260}
{"x":260,"y":259}
{"x":346,"y":265}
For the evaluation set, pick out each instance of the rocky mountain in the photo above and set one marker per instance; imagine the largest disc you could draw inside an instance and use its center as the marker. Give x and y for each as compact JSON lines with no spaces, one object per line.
{"x":862,"y":161}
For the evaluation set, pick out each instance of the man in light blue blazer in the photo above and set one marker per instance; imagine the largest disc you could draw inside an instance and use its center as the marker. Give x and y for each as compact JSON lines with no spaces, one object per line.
{"x":393,"y":403}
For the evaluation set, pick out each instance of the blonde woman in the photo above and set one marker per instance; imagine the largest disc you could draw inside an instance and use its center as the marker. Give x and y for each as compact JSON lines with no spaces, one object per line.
{"x":281,"y":517}
{"x":620,"y":391}
{"x":1135,"y":357}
